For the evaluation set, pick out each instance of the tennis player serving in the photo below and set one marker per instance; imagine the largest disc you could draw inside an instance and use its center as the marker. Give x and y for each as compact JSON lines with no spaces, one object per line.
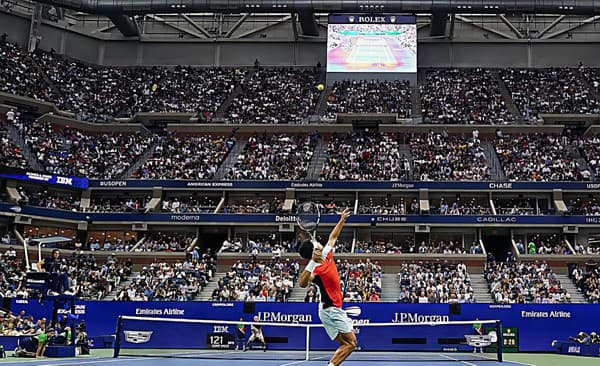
{"x":322,"y":271}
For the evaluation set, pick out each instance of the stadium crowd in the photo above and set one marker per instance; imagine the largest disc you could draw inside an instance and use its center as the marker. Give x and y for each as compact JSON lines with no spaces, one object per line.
{"x":166,"y":242}
{"x":100,"y":93}
{"x":588,"y":206}
{"x":271,"y":280}
{"x":68,"y":151}
{"x":588,"y":281}
{"x":124,"y":203}
{"x":368,"y":155}
{"x":177,"y":281}
{"x":559,"y":90}
{"x":189,"y":203}
{"x":463,"y":96}
{"x":539,"y":157}
{"x":458,"y":206}
{"x":361,"y":281}
{"x":369,"y":96}
{"x":10,"y":154}
{"x":389,"y":206}
{"x":18,"y":74}
{"x":283,"y":95}
{"x":185,"y":157}
{"x":434,"y":282}
{"x":271,"y":157}
{"x":254,"y":206}
{"x":589,"y":148}
{"x":43,"y":197}
{"x":524,"y":283}
{"x":440,"y":157}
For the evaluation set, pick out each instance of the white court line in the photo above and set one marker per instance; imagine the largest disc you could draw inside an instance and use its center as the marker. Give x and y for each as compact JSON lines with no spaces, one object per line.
{"x":297,"y":362}
{"x":66,"y":359}
{"x":457,"y":360}
{"x":505,"y":360}
{"x":102,"y":361}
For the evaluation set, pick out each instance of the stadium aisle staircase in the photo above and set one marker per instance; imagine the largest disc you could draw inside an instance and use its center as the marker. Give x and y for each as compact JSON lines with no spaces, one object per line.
{"x":317,"y":161}
{"x":321,"y":107}
{"x":390,"y":287}
{"x":580,"y":160}
{"x":481,"y":289}
{"x":111,"y":295}
{"x":18,"y":140}
{"x":230,"y":160}
{"x":405,"y":151}
{"x":298,"y":293}
{"x":508,"y":100}
{"x":492,"y":161}
{"x":206,"y":292}
{"x":141,"y":160}
{"x":576,"y":296}
{"x":416,"y":106}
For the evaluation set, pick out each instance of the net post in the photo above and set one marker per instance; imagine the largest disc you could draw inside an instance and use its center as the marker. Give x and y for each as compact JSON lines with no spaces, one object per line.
{"x":500,"y":339}
{"x":117,"y":347}
{"x":307,"y":351}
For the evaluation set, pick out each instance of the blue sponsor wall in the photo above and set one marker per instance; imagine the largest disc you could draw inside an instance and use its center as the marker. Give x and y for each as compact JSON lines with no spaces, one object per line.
{"x":538,"y":325}
{"x":326,"y":219}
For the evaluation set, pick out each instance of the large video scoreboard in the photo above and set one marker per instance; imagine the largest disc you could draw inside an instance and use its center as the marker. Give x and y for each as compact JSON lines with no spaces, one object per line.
{"x":382,"y":43}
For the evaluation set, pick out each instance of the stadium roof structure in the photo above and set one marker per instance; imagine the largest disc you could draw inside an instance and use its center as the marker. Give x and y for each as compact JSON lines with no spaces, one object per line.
{"x":123,"y":13}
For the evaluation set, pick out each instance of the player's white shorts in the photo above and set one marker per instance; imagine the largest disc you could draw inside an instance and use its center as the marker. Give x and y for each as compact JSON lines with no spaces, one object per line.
{"x":335,"y":321}
{"x":256,"y":336}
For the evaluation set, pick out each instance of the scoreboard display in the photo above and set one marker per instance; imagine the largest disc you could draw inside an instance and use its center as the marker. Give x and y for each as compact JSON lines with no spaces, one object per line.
{"x":220,"y":341}
{"x":372,"y":43}
{"x":510,"y":340}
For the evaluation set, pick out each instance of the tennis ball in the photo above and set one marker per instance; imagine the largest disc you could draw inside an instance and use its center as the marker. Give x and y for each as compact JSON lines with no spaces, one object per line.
{"x":320,"y":87}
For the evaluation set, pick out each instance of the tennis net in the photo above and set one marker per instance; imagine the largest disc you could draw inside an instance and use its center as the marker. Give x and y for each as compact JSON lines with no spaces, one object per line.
{"x":217,"y":339}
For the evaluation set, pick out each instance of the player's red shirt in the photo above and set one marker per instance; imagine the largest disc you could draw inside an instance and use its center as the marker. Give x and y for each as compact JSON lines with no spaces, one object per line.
{"x":328,"y":280}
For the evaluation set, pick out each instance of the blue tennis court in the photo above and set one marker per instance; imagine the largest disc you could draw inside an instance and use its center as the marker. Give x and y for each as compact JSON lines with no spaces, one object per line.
{"x":276,"y":358}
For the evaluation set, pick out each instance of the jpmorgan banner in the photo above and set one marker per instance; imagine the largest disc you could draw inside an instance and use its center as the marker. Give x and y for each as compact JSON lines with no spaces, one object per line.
{"x":538,"y":325}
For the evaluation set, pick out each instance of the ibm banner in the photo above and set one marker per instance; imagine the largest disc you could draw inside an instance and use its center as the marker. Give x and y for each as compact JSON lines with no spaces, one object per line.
{"x":531,"y":328}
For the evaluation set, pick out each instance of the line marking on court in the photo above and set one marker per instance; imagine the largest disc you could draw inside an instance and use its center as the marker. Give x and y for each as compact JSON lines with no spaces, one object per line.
{"x":505,"y":360}
{"x":50,"y":360}
{"x":297,"y":362}
{"x":457,"y":360}
{"x":102,"y":361}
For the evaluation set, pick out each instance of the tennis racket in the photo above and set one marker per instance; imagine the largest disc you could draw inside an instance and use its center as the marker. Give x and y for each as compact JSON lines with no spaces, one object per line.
{"x":308,"y":217}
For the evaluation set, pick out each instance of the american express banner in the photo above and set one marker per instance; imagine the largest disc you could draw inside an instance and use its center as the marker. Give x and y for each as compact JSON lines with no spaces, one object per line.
{"x":343,"y":185}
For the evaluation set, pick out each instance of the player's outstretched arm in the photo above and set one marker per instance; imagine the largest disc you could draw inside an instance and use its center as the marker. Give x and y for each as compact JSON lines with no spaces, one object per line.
{"x":306,"y":277}
{"x":338,"y":228}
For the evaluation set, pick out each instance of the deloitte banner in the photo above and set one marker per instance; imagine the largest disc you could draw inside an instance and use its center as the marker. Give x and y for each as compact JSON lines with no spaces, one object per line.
{"x":537,"y":325}
{"x":270,"y":219}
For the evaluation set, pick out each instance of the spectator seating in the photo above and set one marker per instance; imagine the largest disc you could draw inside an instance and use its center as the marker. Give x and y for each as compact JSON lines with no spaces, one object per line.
{"x":186,"y":157}
{"x":270,"y":157}
{"x":365,"y":156}
{"x":538,"y":157}
{"x":558,"y":90}
{"x":463,"y":96}
{"x":435,"y":282}
{"x":524,"y":283}
{"x":283,"y":95}
{"x":258,"y":281}
{"x":369,"y":96}
{"x":440,"y":157}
